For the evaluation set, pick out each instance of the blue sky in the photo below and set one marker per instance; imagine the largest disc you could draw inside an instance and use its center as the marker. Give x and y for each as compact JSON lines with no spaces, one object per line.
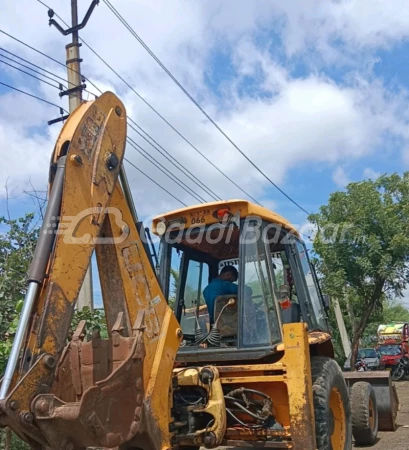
{"x":315,"y":93}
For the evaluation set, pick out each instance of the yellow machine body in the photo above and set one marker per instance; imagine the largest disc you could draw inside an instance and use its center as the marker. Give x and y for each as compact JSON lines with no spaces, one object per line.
{"x":146,"y":387}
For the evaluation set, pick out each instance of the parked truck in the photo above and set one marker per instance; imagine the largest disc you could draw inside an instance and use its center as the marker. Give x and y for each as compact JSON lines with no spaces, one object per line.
{"x":393,"y":343}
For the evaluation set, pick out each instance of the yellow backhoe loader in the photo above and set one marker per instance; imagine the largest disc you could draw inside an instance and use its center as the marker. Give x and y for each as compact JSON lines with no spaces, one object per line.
{"x":253,"y":368}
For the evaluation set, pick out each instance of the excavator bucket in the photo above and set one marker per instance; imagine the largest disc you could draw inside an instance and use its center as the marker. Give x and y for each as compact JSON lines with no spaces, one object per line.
{"x":64,"y":392}
{"x":386,"y":395}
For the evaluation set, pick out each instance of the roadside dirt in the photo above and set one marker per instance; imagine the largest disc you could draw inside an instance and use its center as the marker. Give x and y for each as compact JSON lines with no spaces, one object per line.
{"x":398,"y":440}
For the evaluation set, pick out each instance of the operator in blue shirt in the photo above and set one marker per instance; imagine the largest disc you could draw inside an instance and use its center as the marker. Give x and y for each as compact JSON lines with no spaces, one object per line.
{"x":221,"y":285}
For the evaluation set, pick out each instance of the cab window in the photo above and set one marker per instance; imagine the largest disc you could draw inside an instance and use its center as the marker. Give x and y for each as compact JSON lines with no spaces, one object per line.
{"x":194,"y":309}
{"x":312,"y":290}
{"x":260,"y":325}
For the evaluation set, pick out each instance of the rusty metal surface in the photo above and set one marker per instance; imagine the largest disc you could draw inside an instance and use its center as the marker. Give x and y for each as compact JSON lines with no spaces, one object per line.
{"x":110,"y":411}
{"x":102,"y":392}
{"x":287,"y":382}
{"x":112,"y":287}
{"x":50,"y":320}
{"x":260,"y":435}
{"x":162,"y":331}
{"x":257,"y":444}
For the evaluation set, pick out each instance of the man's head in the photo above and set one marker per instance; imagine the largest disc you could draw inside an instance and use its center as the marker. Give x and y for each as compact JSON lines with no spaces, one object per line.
{"x":229,"y":273}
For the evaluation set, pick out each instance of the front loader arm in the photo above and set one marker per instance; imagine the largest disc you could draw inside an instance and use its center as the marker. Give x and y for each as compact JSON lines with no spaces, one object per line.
{"x":74,"y":394}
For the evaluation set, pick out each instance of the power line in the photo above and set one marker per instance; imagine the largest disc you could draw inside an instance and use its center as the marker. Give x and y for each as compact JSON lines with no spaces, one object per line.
{"x":167,"y":122}
{"x":34,"y":65}
{"x":49,"y":57}
{"x":63,"y":65}
{"x":129,"y":162}
{"x":174,"y":79}
{"x":53,"y":104}
{"x":134,"y":145}
{"x":39,"y":67}
{"x":163,"y":169}
{"x":29,"y":74}
{"x":178,"y":166}
{"x":158,"y":114}
{"x":155,"y":182}
{"x":34,"y":96}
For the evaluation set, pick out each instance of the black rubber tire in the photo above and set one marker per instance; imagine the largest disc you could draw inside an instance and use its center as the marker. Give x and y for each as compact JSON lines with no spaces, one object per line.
{"x":398,"y":374}
{"x":326,"y":377}
{"x":364,"y":432}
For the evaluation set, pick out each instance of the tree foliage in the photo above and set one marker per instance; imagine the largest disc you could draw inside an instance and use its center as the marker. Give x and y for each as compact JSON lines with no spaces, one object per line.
{"x":94,"y":320}
{"x":17,"y":244}
{"x":363,"y":246}
{"x":18,"y":238}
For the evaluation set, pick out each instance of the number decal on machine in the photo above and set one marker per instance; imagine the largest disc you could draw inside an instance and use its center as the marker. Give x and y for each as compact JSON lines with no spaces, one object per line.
{"x":196,"y":220}
{"x":199,"y":217}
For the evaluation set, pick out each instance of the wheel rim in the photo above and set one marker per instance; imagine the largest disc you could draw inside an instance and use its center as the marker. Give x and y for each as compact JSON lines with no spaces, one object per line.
{"x":371,"y":415}
{"x":338,"y":436}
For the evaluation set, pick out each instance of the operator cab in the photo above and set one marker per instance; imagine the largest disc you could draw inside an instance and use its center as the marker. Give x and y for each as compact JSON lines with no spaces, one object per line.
{"x":276,"y":282}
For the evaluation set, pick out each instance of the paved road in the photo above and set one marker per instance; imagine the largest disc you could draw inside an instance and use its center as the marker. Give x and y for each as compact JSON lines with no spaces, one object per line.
{"x":398,"y":440}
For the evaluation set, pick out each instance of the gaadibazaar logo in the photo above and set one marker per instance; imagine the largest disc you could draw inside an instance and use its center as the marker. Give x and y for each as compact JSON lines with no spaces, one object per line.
{"x":69,"y":226}
{"x":251,"y":230}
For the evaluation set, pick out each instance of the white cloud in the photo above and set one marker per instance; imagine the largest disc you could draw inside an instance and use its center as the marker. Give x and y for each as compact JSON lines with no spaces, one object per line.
{"x":285,"y":123}
{"x":340,"y":177}
{"x":338,"y":30}
{"x":371,"y":174}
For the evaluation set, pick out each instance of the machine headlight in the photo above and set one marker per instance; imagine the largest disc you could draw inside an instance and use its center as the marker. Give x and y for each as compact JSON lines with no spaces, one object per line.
{"x":161,"y":228}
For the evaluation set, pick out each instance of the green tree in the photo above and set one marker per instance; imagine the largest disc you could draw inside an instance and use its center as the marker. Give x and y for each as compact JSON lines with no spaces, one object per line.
{"x":173,"y":288}
{"x":363,"y":246}
{"x":95,"y":321}
{"x":17,"y":244}
{"x":18,"y":239}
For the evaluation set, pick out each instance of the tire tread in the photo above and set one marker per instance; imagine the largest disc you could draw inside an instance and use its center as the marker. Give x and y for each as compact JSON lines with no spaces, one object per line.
{"x":361,"y":393}
{"x":327,"y":374}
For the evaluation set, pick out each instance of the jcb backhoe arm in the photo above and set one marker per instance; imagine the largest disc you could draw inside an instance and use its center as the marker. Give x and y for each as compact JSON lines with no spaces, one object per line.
{"x":64,"y":393}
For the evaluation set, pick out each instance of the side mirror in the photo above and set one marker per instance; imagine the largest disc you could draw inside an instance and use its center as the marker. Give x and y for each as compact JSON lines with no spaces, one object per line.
{"x":327,"y":301}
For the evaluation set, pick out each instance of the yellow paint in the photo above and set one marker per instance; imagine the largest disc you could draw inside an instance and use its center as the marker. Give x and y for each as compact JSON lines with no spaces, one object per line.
{"x":94,"y":130}
{"x":287,"y":382}
{"x":201,"y":215}
{"x":215,"y":405}
{"x":338,"y":436}
{"x":299,"y":384}
{"x":71,"y":257}
{"x":313,"y":338}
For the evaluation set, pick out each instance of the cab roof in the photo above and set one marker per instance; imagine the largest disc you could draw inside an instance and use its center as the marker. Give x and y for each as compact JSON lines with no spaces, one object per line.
{"x":245,"y":208}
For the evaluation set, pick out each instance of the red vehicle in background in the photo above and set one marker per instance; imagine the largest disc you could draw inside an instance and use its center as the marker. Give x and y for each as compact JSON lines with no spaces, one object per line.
{"x":393,"y":343}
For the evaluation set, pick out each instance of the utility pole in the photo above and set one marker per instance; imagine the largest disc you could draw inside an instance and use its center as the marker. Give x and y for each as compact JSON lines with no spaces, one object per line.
{"x":74,"y":92}
{"x":342,"y":329}
{"x":74,"y":62}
